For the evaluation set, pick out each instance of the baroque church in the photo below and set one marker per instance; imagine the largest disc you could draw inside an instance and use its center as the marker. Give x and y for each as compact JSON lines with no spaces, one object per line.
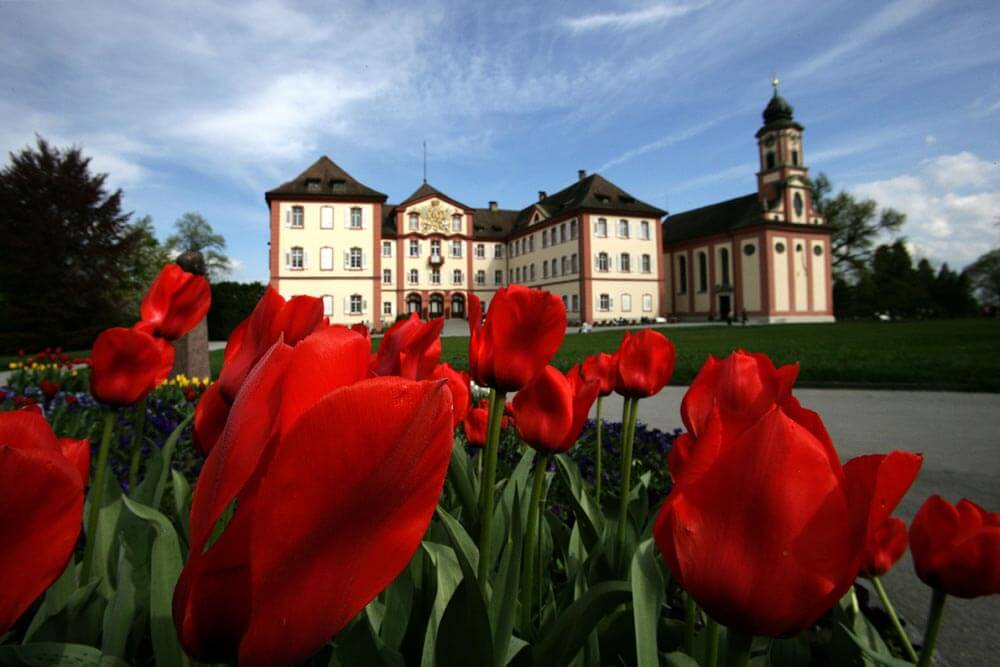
{"x":609,"y":256}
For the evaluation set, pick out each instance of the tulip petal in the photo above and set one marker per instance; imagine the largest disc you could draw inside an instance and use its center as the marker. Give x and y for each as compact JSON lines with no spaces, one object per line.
{"x":27,"y":429}
{"x":41,"y":510}
{"x":777,"y":544}
{"x":77,"y":452}
{"x":247,"y":434}
{"x":524,"y":329}
{"x":209,"y":419}
{"x":327,"y":360}
{"x":543,"y":410}
{"x":349,"y":514}
{"x":875,"y":484}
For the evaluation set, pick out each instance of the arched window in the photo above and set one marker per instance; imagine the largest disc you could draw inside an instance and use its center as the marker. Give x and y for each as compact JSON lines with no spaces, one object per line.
{"x":647,"y":264}
{"x":357,"y":304}
{"x":797,"y":203}
{"x":602,"y":228}
{"x":702,"y":272}
{"x":795,"y":158}
{"x":456,"y":223}
{"x":327,"y":305}
{"x":355,"y":258}
{"x":456,"y":277}
{"x":545,"y":269}
{"x":297,"y":258}
{"x":623,"y":229}
{"x":770,"y":160}
{"x":644,"y":230}
{"x":682,"y":274}
{"x":414,"y":222}
{"x":564,"y":265}
{"x":626,"y":263}
{"x":480,"y":277}
{"x":602,"y":261}
{"x":414,"y":276}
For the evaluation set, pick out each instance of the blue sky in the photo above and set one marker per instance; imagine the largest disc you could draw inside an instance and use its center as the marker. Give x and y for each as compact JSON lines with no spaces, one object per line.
{"x":204,"y":106}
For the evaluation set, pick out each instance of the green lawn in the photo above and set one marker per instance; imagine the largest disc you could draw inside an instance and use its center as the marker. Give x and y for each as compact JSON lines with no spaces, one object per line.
{"x":946,"y":354}
{"x":950,"y":354}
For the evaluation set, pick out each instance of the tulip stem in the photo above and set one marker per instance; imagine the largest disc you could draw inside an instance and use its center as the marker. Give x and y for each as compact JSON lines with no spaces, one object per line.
{"x":137,"y":438}
{"x":534,"y":510}
{"x":884,"y":597}
{"x":933,"y":627}
{"x":597,"y":455}
{"x":712,"y":643}
{"x":738,"y":645}
{"x":494,"y":422}
{"x":97,"y":496}
{"x":690,"y":617}
{"x":628,"y":435}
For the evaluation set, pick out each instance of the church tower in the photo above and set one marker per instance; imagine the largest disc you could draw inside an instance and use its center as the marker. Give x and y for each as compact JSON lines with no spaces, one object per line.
{"x":783,"y":179}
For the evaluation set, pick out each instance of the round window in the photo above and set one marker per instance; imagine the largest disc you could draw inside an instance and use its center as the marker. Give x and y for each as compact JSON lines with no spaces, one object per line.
{"x":749,"y":249}
{"x":817,"y":250}
{"x":779,"y":247}
{"x":798,"y":247}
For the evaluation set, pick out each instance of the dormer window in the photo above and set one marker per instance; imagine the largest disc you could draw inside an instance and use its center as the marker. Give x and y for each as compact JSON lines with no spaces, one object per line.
{"x":456,"y":223}
{"x":626,"y":199}
{"x":414,"y":222}
{"x":604,"y":199}
{"x":338,"y":186}
{"x":312,"y":185}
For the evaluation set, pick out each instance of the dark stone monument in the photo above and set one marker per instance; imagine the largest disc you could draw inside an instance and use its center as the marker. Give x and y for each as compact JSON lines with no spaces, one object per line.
{"x":191,"y":350}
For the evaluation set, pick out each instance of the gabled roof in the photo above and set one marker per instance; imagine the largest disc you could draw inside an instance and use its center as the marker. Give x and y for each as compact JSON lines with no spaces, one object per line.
{"x":593,"y":192}
{"x":326,"y":179}
{"x":725,"y":216}
{"x":491,"y":223}
{"x":427,"y":190}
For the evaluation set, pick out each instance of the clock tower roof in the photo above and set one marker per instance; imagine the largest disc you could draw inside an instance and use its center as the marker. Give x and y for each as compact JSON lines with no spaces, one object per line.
{"x":426,"y":191}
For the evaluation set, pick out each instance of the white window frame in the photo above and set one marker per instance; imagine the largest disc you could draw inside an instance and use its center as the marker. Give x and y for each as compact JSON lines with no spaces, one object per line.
{"x":625,"y":263}
{"x":435,"y":276}
{"x":456,"y":277}
{"x":480,"y":251}
{"x":326,"y":253}
{"x":326,"y":222}
{"x":357,"y":304}
{"x":601,"y":228}
{"x":623,"y":230}
{"x":297,"y":221}
{"x":646,"y":263}
{"x":387,"y":248}
{"x":387,"y":308}
{"x":414,"y":248}
{"x":575,"y":303}
{"x":435,"y":247}
{"x":604,"y":302}
{"x":456,"y":223}
{"x":644,"y":230}
{"x":386,"y":276}
{"x":357,"y":221}
{"x":356,"y":259}
{"x":413,"y":222}
{"x":455,"y":248}
{"x":480,"y":277}
{"x":498,"y":277}
{"x":327,"y":305}
{"x":647,"y":303}
{"x":626,"y":302}
{"x":300,"y":254}
{"x":413,"y":277}
{"x":497,"y":251}
{"x":603,"y":263}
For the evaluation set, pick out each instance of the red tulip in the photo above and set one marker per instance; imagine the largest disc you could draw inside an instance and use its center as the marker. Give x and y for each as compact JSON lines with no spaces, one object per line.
{"x":886,"y":545}
{"x":49,"y":389}
{"x":475,"y":424}
{"x":175,"y":303}
{"x":77,"y":452}
{"x":458,"y":383}
{"x":362,"y":329}
{"x":743,"y":387}
{"x":410,"y":348}
{"x":127,"y":364}
{"x":644,"y":363}
{"x":549,"y":412}
{"x":763,"y":526}
{"x":956,"y":548}
{"x":41,"y":511}
{"x":335,"y":478}
{"x":524,"y":328}
{"x":272,"y":319}
{"x":601,"y":368}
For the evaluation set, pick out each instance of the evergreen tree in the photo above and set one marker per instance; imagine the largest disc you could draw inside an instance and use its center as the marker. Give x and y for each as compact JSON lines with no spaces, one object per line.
{"x":65,"y":251}
{"x":984,"y":276}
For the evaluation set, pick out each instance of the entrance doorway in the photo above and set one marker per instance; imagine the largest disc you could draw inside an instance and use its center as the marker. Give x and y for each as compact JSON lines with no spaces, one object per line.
{"x":725,"y":306}
{"x":413,"y":303}
{"x":458,"y":305}
{"x":436,"y":305}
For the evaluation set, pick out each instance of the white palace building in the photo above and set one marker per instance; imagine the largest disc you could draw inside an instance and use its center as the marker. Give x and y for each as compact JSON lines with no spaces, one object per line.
{"x":608,"y":255}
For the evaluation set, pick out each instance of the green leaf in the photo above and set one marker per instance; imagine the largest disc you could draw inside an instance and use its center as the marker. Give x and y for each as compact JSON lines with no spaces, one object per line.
{"x":465,"y":548}
{"x":588,"y":514}
{"x":464,"y":637}
{"x":648,"y":593}
{"x":885,"y":658}
{"x":122,"y":609}
{"x":792,"y":652}
{"x":448,"y":575}
{"x":503,"y":602}
{"x":182,"y":502}
{"x":56,"y":598}
{"x":461,"y":480}
{"x":150,"y":490}
{"x":166,"y":565}
{"x":78,"y":622}
{"x":53,"y":654}
{"x":678,"y":659}
{"x":105,"y":536}
{"x":398,"y":603}
{"x":564,"y":638}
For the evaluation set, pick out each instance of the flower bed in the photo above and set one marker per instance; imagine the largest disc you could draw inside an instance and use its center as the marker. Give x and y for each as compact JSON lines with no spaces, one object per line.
{"x":321,"y":504}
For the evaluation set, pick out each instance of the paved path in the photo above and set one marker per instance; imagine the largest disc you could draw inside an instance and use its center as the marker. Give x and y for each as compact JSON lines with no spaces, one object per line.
{"x":959,"y":435}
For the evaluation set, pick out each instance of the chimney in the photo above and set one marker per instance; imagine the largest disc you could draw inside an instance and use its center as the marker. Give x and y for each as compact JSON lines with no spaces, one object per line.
{"x":541,"y":195}
{"x":493,"y":206}
{"x":581,"y":174}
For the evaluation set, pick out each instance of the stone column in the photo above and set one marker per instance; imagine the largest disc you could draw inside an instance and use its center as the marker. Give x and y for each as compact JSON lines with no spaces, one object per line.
{"x":191,"y":350}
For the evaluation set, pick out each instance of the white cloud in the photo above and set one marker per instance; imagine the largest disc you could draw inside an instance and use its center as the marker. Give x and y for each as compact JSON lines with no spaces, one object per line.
{"x":930,"y":140}
{"x":662,"y":142}
{"x":951,"y":203}
{"x":637,"y":18}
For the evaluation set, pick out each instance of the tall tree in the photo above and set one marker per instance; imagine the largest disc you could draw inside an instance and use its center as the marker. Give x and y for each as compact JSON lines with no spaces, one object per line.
{"x":984,"y":275}
{"x":65,"y":244}
{"x":857,"y":226}
{"x":194,"y":233}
